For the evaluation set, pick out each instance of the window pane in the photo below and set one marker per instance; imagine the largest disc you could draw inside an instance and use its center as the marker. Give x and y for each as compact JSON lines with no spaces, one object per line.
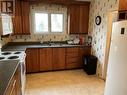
{"x":41,"y":22}
{"x":56,"y":22}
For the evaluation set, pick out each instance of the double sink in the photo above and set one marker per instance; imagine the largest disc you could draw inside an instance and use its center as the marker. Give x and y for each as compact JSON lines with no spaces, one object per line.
{"x":54,"y":44}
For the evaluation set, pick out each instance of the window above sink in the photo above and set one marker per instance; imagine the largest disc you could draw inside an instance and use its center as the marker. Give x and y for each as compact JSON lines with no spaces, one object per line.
{"x":48,"y":21}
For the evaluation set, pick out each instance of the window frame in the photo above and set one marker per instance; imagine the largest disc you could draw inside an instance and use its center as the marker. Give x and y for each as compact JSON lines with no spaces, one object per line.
{"x":51,"y":23}
{"x":33,"y":26}
{"x":35,"y":23}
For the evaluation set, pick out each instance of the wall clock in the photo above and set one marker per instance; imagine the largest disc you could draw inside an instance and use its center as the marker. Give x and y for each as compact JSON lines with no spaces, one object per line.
{"x":98,"y":20}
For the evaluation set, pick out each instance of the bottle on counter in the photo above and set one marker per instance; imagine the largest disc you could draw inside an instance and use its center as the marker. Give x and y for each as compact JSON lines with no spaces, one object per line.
{"x":81,"y":38}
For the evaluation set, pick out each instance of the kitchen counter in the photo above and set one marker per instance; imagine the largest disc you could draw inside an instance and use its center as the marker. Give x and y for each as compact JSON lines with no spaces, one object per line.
{"x":22,"y":46}
{"x":7,"y":71}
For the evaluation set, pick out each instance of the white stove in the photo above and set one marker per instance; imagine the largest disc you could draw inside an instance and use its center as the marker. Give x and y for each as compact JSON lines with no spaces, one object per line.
{"x":12,"y":55}
{"x":16,"y":55}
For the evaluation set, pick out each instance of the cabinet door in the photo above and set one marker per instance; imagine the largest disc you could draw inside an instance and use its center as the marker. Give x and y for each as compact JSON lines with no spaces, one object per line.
{"x":74,"y":19}
{"x":79,"y":18}
{"x":84,"y":19}
{"x":21,"y":24}
{"x":17,"y":21}
{"x":25,"y":17}
{"x":32,"y":64}
{"x":45,"y":58}
{"x":84,"y":51}
{"x":122,"y":5}
{"x":58,"y":58}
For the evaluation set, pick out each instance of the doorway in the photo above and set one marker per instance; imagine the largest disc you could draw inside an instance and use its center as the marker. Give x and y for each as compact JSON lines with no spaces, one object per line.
{"x":112,"y":17}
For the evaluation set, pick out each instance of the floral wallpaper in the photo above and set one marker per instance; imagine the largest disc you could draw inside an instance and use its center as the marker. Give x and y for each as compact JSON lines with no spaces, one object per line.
{"x":98,"y":32}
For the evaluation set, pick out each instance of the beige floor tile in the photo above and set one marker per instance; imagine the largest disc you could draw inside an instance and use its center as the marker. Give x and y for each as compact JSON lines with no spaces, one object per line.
{"x":70,"y":82}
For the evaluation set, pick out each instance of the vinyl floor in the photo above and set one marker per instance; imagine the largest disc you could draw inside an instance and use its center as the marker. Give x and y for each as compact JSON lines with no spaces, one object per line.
{"x":68,"y":82}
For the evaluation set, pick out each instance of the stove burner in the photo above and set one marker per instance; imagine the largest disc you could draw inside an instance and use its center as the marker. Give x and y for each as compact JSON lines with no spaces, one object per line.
{"x":6,"y":53}
{"x":17,"y":52}
{"x":1,"y":58}
{"x":13,"y":57}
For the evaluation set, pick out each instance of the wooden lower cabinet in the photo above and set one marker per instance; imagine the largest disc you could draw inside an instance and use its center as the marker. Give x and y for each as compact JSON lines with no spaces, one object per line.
{"x":74,"y":57}
{"x":84,"y":51}
{"x":32,"y":60}
{"x":14,"y":87}
{"x":58,"y":58}
{"x":73,"y":63}
{"x":45,"y":59}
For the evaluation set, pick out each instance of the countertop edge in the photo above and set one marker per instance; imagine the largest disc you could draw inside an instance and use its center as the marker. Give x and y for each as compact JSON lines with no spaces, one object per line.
{"x":23,"y":47}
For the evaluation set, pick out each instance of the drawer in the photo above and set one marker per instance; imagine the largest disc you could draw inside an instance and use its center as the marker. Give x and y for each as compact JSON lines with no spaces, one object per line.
{"x":85,"y":51}
{"x":71,"y":55}
{"x":73,"y":60}
{"x":72,"y":50}
{"x":73,"y":65}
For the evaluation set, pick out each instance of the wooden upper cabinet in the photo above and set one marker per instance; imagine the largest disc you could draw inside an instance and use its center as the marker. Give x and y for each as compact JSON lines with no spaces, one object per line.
{"x":84,"y":19}
{"x":45,"y":59}
{"x":25,"y":18}
{"x":73,"y":19}
{"x":17,"y":21}
{"x":58,"y":58}
{"x":122,"y":5}
{"x":32,"y":60}
{"x":78,"y":18}
{"x":21,"y":23}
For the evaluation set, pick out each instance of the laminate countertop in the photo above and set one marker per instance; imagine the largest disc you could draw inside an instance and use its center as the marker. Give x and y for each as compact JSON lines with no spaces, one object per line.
{"x":7,"y":71}
{"x":22,"y":46}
